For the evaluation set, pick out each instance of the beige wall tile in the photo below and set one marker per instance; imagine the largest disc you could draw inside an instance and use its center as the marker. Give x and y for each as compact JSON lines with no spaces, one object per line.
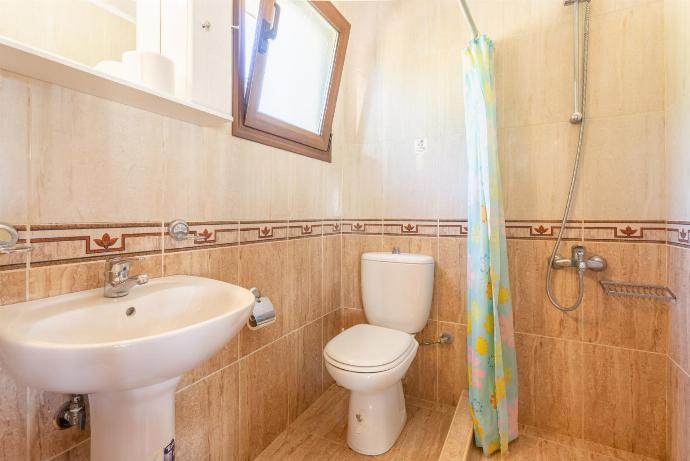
{"x":13,"y":411}
{"x":93,"y":160}
{"x":13,"y":285}
{"x":353,"y":248}
{"x":679,"y":317}
{"x":45,"y":440}
{"x":263,"y":266}
{"x":330,"y":327}
{"x":263,"y":398}
{"x":332,"y":261}
{"x":421,"y":379}
{"x":451,"y":279}
{"x":452,"y":363}
{"x":14,"y":148}
{"x":627,"y":322}
{"x":305,"y":368}
{"x":551,"y":383}
{"x":628,"y":78}
{"x":81,"y":452}
{"x":678,"y":413}
{"x":625,"y":399}
{"x":207,"y":418}
{"x":532,"y":310}
{"x":304,"y":282}
{"x":623,"y":168}
{"x":363,"y":174}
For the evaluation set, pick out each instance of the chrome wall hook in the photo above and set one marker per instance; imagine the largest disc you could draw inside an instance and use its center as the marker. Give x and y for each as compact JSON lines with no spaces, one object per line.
{"x":9,"y":236}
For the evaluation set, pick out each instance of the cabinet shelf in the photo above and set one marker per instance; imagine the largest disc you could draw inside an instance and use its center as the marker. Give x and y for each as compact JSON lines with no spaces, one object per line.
{"x":38,"y":64}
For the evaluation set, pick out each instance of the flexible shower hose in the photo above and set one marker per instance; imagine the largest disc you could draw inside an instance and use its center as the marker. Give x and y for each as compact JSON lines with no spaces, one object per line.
{"x":576,"y":167}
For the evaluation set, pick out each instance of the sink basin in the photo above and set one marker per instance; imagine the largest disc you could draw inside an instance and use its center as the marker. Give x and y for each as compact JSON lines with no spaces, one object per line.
{"x":127,"y":353}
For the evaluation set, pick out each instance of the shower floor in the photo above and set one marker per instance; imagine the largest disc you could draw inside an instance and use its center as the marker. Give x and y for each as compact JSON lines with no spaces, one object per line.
{"x":537,"y":445}
{"x":320,"y":432}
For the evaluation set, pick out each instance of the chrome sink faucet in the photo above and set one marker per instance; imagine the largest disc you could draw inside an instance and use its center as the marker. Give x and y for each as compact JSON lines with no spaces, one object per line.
{"x":117,"y":279}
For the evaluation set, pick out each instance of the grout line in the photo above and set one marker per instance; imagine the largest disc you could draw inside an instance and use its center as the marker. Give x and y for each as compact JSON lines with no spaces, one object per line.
{"x":240,"y":359}
{"x":55,"y":457}
{"x":679,"y":367}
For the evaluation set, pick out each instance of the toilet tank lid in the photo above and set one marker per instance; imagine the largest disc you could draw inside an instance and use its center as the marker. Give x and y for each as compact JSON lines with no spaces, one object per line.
{"x":401,"y":258}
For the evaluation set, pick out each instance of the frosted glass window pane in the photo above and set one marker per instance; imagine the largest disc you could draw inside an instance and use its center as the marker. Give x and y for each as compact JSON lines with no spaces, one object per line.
{"x":299,"y":64}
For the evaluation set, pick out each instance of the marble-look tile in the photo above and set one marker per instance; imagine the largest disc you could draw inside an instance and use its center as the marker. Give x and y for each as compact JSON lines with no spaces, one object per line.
{"x":57,"y":280}
{"x":13,"y":412}
{"x":219,"y":264}
{"x":627,"y":322}
{"x":263,"y":398}
{"x":14,"y":148}
{"x":330,"y":327}
{"x":450,"y":280}
{"x":633,"y":39}
{"x":207,"y":418}
{"x":321,"y":428}
{"x":533,"y":173}
{"x":45,"y":440}
{"x":264,"y":266}
{"x":305,"y":368}
{"x":81,"y":452}
{"x":460,"y":433}
{"x":452,"y":363}
{"x":363,"y":173}
{"x":624,"y":161}
{"x":297,"y":445}
{"x":221,"y":359}
{"x":352,"y":317}
{"x":13,"y":285}
{"x":421,"y":379}
{"x":679,"y":313}
{"x":305,"y":185}
{"x":625,"y":399}
{"x":304,"y":282}
{"x":550,"y":376}
{"x":528,"y":261}
{"x":353,"y":248}
{"x":119,"y":146}
{"x":332,"y":249}
{"x":678,"y":414}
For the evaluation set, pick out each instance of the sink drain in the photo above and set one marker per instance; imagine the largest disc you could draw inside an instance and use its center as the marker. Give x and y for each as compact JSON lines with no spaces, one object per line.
{"x":131,"y":311}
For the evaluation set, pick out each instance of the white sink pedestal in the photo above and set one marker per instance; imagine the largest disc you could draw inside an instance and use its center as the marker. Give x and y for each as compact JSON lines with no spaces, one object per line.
{"x":133,"y":424}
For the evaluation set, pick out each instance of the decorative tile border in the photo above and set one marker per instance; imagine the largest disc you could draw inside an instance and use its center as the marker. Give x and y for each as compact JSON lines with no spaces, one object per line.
{"x":216,"y":233}
{"x":67,"y":243}
{"x":678,"y":233}
{"x":56,"y":244}
{"x":263,"y":231}
{"x":362,"y":226}
{"x":415,"y":227}
{"x":452,"y":228}
{"x":625,"y":231}
{"x":305,"y":229}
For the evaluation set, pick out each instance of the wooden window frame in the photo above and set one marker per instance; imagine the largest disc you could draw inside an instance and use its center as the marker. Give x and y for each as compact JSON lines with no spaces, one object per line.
{"x":274,"y":132}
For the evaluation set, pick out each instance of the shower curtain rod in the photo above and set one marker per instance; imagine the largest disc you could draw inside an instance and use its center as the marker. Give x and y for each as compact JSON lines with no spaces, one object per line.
{"x":468,"y":16}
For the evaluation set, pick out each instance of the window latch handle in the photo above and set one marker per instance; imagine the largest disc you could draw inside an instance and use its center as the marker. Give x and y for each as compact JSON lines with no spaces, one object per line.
{"x":268,"y":31}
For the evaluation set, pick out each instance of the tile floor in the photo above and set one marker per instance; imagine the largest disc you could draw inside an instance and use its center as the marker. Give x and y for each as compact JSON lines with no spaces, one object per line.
{"x":537,"y":445}
{"x":320,"y":432}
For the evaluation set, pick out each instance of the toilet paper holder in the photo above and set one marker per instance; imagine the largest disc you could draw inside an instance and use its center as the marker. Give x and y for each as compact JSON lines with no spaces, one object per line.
{"x":263,"y":312}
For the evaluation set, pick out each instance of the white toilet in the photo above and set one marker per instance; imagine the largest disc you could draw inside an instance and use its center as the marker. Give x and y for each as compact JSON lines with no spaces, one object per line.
{"x":371,"y":360}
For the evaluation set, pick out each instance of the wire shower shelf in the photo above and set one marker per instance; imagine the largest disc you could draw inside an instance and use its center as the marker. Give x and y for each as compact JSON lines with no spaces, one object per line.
{"x":636,"y":290}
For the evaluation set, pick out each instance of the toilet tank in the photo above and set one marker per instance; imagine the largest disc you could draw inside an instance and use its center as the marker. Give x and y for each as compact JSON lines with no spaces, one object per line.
{"x":397,"y":290}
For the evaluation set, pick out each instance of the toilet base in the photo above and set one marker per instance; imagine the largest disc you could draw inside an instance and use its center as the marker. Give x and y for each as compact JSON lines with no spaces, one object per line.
{"x":376,"y":419}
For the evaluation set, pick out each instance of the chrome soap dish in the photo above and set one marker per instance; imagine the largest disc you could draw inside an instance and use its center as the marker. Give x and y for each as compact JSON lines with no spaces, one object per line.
{"x":636,"y":290}
{"x":8,"y":241}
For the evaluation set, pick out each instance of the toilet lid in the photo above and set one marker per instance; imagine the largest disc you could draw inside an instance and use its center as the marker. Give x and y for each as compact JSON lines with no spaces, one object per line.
{"x":369,"y":346}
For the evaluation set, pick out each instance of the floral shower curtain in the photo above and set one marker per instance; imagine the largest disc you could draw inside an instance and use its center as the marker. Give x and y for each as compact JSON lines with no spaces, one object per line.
{"x":490,"y":338}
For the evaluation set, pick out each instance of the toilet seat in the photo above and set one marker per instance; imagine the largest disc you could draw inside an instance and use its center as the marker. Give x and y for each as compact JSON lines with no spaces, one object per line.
{"x":369,"y":349}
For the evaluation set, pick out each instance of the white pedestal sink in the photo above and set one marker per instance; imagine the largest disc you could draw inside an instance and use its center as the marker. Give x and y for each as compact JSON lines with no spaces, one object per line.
{"x":127,"y":354}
